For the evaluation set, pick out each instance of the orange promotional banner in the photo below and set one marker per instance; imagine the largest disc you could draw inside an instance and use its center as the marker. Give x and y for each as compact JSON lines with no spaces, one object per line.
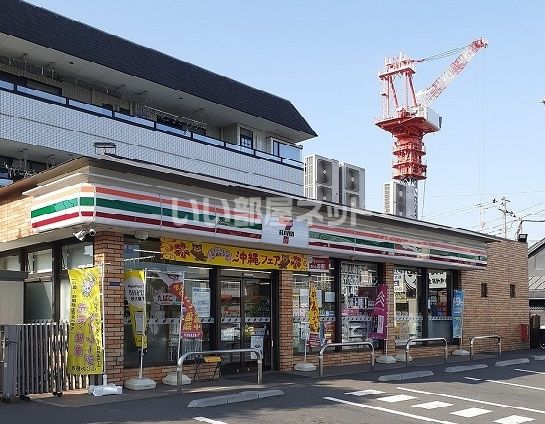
{"x":236,"y":257}
{"x":313,"y":318}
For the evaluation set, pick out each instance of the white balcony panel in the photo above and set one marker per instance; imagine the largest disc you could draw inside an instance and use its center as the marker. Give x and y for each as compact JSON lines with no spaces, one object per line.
{"x":38,"y":123}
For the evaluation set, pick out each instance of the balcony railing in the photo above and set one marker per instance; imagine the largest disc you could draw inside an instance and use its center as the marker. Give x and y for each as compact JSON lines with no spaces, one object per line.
{"x":288,"y":155}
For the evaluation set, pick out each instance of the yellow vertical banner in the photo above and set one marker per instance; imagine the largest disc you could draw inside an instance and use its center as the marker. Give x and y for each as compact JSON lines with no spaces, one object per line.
{"x":135,"y":293}
{"x":85,"y":354}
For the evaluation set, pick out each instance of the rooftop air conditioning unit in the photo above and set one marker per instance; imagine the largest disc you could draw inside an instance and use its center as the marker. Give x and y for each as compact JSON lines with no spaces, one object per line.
{"x":322,"y":178}
{"x":399,"y":199}
{"x":352,"y":185}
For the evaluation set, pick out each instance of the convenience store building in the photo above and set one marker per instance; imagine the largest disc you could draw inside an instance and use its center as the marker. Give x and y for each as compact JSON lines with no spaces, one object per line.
{"x":248,"y":257}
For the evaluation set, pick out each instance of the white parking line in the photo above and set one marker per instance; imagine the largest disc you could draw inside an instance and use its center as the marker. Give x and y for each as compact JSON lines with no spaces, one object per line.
{"x":208,"y":420}
{"x":481,"y":402}
{"x":529,"y":371}
{"x":389,"y":411}
{"x":514,"y":419}
{"x":432,"y":405}
{"x":470,"y":412}
{"x":541,"y":389}
{"x":365,"y":392}
{"x":472,"y":378}
{"x":396,"y":398}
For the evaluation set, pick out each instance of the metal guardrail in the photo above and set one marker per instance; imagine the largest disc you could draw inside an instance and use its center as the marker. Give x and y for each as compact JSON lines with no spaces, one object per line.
{"x":493,"y":336}
{"x":326,"y":346}
{"x":432,"y":339}
{"x":179,"y":370}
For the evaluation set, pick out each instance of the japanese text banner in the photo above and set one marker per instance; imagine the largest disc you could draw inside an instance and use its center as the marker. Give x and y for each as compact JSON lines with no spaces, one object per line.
{"x":236,"y":257}
{"x":85,"y":331}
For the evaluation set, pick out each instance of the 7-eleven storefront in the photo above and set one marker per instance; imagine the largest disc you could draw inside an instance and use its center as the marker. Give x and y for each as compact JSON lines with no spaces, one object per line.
{"x":250,"y":274}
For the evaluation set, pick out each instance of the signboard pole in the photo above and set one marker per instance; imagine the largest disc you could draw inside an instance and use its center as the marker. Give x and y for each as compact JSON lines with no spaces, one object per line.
{"x":104,"y":375}
{"x":381,"y":310}
{"x":181,"y":321}
{"x":142,"y":383}
{"x":306,"y":366}
{"x":458,"y":316}
{"x":104,"y":388}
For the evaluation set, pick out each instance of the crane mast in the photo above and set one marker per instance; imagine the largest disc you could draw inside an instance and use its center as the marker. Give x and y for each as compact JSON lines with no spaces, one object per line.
{"x":407,"y":115}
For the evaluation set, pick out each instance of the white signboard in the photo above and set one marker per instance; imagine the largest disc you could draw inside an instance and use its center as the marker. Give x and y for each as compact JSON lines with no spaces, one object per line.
{"x":438,"y":280}
{"x":285,"y":231}
{"x":257,"y":343}
{"x":201,"y":301}
{"x":303,"y":298}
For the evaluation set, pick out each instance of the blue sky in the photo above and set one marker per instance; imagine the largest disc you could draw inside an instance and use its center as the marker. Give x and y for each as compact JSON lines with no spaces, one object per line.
{"x":324,"y":57}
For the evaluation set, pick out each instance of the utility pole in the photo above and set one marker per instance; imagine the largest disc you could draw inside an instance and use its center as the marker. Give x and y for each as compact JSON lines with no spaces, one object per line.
{"x":503,"y":209}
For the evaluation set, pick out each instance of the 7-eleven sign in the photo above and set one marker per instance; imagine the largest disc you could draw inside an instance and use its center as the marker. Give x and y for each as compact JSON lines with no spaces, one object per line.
{"x":285,"y":231}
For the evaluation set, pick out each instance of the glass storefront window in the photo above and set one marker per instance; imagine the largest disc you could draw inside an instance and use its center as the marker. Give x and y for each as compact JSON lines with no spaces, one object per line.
{"x":325,"y":295}
{"x":38,"y":301}
{"x":10,"y":263}
{"x":439,"y":303}
{"x":77,"y":255}
{"x":163,"y":316}
{"x":359,"y":283}
{"x":408,"y":317}
{"x":40,"y":261}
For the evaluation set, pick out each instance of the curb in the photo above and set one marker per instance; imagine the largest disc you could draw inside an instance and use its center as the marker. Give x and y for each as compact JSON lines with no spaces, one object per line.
{"x":512,"y":362}
{"x":405,"y":376}
{"x":461,"y":368}
{"x":539,"y":357}
{"x":234,"y":398}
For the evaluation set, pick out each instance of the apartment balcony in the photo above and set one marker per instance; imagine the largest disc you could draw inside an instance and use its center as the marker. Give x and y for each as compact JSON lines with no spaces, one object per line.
{"x":54,"y":123}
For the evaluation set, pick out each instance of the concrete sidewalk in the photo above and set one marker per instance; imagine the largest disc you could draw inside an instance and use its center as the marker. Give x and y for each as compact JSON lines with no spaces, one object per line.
{"x":276,"y":380}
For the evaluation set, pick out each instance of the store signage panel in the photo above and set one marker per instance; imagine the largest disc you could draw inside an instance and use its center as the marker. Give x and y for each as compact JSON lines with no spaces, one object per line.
{"x":236,"y":257}
{"x":285,"y":231}
{"x":318,"y":263}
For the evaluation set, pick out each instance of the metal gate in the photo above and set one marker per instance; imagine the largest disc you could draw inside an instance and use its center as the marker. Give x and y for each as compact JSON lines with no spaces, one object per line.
{"x":35,"y":360}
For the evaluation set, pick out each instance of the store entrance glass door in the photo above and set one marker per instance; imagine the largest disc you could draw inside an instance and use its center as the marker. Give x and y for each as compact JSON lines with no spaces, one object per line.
{"x":245,"y":322}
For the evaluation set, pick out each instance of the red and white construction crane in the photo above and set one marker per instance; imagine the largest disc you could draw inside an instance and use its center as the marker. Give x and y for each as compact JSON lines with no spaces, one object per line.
{"x":407,"y":115}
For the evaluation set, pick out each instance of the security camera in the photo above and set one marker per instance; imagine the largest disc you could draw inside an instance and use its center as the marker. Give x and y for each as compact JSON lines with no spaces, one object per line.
{"x":141,"y":235}
{"x":92,"y":232}
{"x":80,"y":235}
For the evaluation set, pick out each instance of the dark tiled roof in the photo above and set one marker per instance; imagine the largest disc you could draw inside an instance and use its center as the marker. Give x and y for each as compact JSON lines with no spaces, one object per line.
{"x":57,"y":32}
{"x":536,"y":247}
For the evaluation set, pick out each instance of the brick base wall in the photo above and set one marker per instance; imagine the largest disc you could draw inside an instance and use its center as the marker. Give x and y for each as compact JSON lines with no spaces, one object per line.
{"x":206,"y":372}
{"x":498,"y":313}
{"x":285,"y":320}
{"x":15,"y":218}
{"x":108,"y":250}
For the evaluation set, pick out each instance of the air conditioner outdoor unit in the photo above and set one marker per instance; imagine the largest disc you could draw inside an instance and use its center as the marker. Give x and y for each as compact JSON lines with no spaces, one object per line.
{"x":399,"y":199}
{"x":322,"y":178}
{"x":352,"y":185}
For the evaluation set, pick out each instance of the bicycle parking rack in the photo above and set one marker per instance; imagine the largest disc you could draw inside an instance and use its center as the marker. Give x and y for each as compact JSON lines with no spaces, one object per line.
{"x":432,"y":339}
{"x":324,"y":347}
{"x":179,"y":369}
{"x":483,"y":338}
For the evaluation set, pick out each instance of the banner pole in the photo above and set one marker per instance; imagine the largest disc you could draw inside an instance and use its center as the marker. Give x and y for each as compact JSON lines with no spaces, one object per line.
{"x":104,"y":374}
{"x":144,"y":325}
{"x":181,"y":317}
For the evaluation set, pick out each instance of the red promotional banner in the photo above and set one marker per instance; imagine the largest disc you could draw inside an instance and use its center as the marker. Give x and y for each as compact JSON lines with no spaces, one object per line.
{"x":191,"y":327}
{"x":379,"y":317}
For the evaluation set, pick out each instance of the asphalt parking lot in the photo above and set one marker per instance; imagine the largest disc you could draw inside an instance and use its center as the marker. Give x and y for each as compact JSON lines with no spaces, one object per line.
{"x":511,"y":394}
